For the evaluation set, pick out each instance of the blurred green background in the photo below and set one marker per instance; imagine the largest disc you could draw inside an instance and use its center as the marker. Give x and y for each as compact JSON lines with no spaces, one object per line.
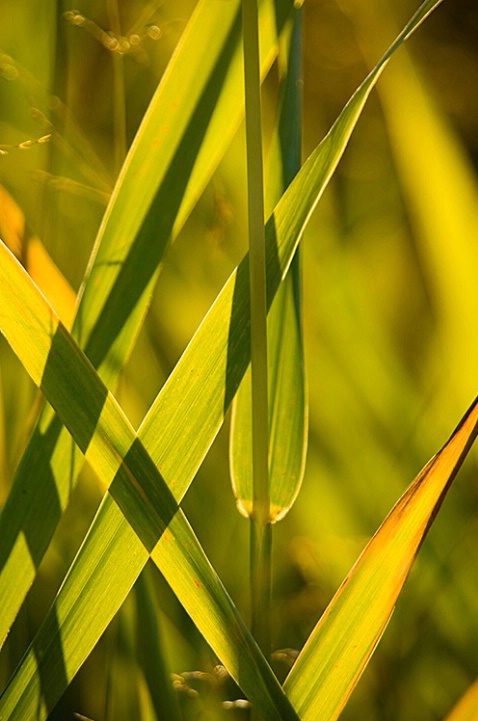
{"x":390,"y":265}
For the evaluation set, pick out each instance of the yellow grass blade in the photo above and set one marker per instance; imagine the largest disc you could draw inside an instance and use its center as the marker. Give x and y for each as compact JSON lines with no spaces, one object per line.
{"x":343,"y":641}
{"x":467,"y":707}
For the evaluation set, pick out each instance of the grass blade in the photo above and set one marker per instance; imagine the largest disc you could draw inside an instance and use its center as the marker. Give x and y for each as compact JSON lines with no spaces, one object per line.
{"x":159,"y":181}
{"x":143,"y":215}
{"x":260,"y":531}
{"x":337,"y":651}
{"x":207,"y":376}
{"x":136,"y":490}
{"x":287,"y":396}
{"x":219,"y":353}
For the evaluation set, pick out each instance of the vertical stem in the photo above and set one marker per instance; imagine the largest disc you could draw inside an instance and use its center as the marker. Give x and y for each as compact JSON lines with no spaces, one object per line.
{"x":119,"y":101}
{"x":261,"y":583}
{"x":260,"y":525}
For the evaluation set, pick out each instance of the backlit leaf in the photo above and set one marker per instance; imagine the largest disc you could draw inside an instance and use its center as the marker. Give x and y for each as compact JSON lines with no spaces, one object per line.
{"x":137,"y":492}
{"x":171,"y":160}
{"x":177,"y":434}
{"x":340,"y":646}
{"x":287,"y":394}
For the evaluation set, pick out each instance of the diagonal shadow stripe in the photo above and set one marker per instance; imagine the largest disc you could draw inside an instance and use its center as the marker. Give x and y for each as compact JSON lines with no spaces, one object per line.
{"x":135,"y":275}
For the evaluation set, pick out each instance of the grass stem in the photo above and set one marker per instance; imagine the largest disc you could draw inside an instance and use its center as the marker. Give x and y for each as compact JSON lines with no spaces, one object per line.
{"x":260,"y":526}
{"x":119,"y":96}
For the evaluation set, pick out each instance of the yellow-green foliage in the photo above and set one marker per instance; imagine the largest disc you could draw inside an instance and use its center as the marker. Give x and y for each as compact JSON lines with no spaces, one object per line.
{"x":122,"y":180}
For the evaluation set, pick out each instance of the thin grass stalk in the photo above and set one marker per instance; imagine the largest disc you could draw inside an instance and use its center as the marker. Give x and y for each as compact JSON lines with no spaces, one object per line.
{"x":260,"y":526}
{"x":119,"y":97}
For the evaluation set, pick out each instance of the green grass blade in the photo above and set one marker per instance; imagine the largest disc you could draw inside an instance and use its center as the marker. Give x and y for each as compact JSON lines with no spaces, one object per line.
{"x":205,"y":380}
{"x":160,"y":181}
{"x":137,"y":492}
{"x":336,"y":653}
{"x":173,"y":168}
{"x":287,"y":396}
{"x":207,"y":376}
{"x":260,"y":531}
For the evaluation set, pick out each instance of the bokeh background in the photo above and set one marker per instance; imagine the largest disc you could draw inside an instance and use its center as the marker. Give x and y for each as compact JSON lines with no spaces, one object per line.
{"x":390,"y":289}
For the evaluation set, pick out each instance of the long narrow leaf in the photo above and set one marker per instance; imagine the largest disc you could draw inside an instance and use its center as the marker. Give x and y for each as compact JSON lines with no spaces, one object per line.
{"x":183,"y":422}
{"x":219,"y":351}
{"x":287,"y":394}
{"x":137,"y":490}
{"x":343,"y":641}
{"x":174,"y":154}
{"x":160,"y":181}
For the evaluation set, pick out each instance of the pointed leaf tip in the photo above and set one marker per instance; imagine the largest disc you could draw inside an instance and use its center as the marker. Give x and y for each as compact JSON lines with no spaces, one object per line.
{"x":340,"y":646}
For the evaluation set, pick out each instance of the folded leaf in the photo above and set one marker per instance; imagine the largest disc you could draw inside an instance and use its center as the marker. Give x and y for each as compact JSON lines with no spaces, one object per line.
{"x":205,"y":380}
{"x":286,"y":374}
